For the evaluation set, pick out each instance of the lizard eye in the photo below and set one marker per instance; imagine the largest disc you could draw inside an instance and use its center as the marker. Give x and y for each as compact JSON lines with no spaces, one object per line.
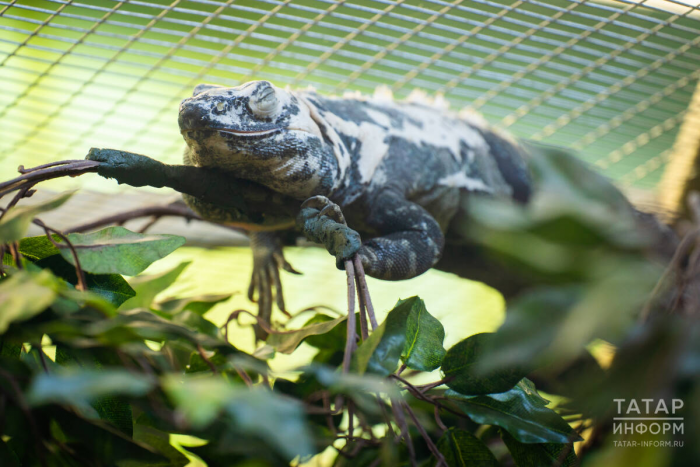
{"x":265,"y":104}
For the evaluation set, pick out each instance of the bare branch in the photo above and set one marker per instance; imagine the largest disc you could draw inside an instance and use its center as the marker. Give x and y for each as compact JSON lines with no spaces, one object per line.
{"x":364,"y":291}
{"x":424,"y":434}
{"x":352,"y":333}
{"x":31,"y":177}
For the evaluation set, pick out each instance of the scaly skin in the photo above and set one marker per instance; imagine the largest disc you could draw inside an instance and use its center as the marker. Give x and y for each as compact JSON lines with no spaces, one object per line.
{"x":396,"y":171}
{"x":383,"y":180}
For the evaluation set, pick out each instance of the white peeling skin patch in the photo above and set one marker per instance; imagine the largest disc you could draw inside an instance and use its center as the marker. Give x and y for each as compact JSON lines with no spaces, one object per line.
{"x":422,"y":125}
{"x":374,"y":147}
{"x":342,"y":156}
{"x":462,"y":180}
{"x":395,"y":168}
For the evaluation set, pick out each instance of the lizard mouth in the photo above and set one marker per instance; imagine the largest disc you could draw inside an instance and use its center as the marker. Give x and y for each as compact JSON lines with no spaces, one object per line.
{"x":238,"y":133}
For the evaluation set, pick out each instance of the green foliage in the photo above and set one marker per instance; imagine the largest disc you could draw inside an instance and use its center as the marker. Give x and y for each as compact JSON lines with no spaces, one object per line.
{"x":14,"y":225}
{"x":464,"y":369}
{"x":24,"y":295}
{"x":409,"y":333}
{"x":288,"y":341}
{"x":526,"y":454}
{"x":80,"y":388}
{"x":131,"y":368}
{"x":116,"y":250}
{"x":463,"y":449}
{"x":521,"y":411}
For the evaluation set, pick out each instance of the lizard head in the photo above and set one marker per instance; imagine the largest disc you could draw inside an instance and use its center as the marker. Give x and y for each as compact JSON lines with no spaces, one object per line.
{"x":257,"y":131}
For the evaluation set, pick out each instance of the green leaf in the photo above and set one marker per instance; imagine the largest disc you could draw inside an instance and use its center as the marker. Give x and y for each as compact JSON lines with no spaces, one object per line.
{"x":544,"y":454}
{"x":521,"y":411}
{"x":111,"y":287}
{"x":14,"y":224}
{"x":160,"y":442}
{"x":100,"y":442}
{"x":288,"y":341}
{"x":199,"y":400}
{"x":423,"y":349}
{"x":24,"y":295}
{"x":116,"y":250}
{"x":410,"y":333}
{"x":463,"y":365}
{"x":278,"y":420}
{"x":333,"y":339}
{"x":353,"y":384}
{"x":114,"y":409}
{"x":147,"y":287}
{"x":38,"y":248}
{"x":137,"y":324}
{"x":199,"y":304}
{"x":82,"y":387}
{"x":463,"y":449}
{"x":198,"y":323}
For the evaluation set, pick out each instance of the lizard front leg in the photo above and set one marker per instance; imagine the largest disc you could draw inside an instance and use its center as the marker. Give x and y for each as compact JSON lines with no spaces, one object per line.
{"x":409,"y":243}
{"x":410,"y":240}
{"x":267,"y":262}
{"x":322,"y":221}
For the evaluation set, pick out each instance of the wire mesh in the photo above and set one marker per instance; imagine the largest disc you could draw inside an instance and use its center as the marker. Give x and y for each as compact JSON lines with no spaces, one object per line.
{"x":611,"y":79}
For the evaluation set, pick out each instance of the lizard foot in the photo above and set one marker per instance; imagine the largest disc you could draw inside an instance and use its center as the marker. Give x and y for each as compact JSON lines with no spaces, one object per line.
{"x":322,"y":221}
{"x":268,"y":259}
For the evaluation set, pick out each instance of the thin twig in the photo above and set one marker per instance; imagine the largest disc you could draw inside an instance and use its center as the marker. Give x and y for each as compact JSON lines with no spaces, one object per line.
{"x":401,"y":369}
{"x":244,"y":376}
{"x":351,"y":420}
{"x":351,"y":336}
{"x":363,"y":309}
{"x":59,"y":169}
{"x":42,"y":358}
{"x":81,"y":284}
{"x":329,"y":416}
{"x":25,"y":191}
{"x":418,"y":394}
{"x":360,"y":271}
{"x":427,"y":387}
{"x":385,"y":414}
{"x":428,"y":441}
{"x":170,"y":210}
{"x":673,"y":265}
{"x":438,"y":420}
{"x":264,"y":325}
{"x":403,"y":426}
{"x":14,"y":251}
{"x":23,"y":171}
{"x":149,"y":224}
{"x":200,"y":350}
{"x":366,"y":428}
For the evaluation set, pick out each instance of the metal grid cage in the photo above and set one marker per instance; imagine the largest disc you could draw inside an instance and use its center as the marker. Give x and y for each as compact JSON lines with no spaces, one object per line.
{"x":611,"y":79}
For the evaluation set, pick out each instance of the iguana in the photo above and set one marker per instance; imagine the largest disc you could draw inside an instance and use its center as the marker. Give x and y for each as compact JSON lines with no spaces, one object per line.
{"x":381,"y":179}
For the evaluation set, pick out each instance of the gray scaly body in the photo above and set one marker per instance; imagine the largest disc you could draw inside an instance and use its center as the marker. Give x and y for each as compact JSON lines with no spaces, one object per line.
{"x":397,"y":171}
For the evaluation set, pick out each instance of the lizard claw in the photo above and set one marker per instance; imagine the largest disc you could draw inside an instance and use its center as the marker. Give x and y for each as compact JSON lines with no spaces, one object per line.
{"x":322,"y":221}
{"x":326,"y":208}
{"x":267,"y":262}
